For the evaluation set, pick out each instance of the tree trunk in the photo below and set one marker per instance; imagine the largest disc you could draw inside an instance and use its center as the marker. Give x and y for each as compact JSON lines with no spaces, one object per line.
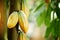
{"x":12,"y":33}
{"x":3,"y":19}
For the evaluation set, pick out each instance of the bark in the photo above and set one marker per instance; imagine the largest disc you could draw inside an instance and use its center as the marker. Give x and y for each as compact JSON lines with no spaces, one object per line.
{"x":3,"y":19}
{"x":12,"y":33}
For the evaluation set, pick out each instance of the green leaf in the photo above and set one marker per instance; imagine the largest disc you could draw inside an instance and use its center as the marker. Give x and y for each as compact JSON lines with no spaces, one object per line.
{"x":59,"y":29}
{"x":53,"y":25}
{"x":48,"y":15}
{"x":56,"y":26}
{"x":57,"y":10}
{"x":51,"y":29}
{"x":38,"y":7}
{"x":40,"y":18}
{"x":48,"y":31}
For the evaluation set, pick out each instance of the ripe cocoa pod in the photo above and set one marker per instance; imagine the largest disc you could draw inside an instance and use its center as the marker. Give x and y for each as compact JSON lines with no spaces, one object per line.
{"x":12,"y":20}
{"x":23,"y":21}
{"x":25,"y":9}
{"x":22,"y":36}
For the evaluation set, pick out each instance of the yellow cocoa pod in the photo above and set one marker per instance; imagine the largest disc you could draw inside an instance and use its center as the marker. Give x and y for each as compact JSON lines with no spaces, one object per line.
{"x":25,"y":9}
{"x":22,"y":36}
{"x":23,"y":21}
{"x":12,"y":20}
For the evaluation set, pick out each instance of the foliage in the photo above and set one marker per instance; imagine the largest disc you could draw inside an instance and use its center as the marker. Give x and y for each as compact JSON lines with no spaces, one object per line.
{"x":53,"y":27}
{"x":46,"y":12}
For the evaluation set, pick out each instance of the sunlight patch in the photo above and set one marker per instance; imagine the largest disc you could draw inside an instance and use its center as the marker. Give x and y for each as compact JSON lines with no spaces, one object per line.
{"x":59,"y":5}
